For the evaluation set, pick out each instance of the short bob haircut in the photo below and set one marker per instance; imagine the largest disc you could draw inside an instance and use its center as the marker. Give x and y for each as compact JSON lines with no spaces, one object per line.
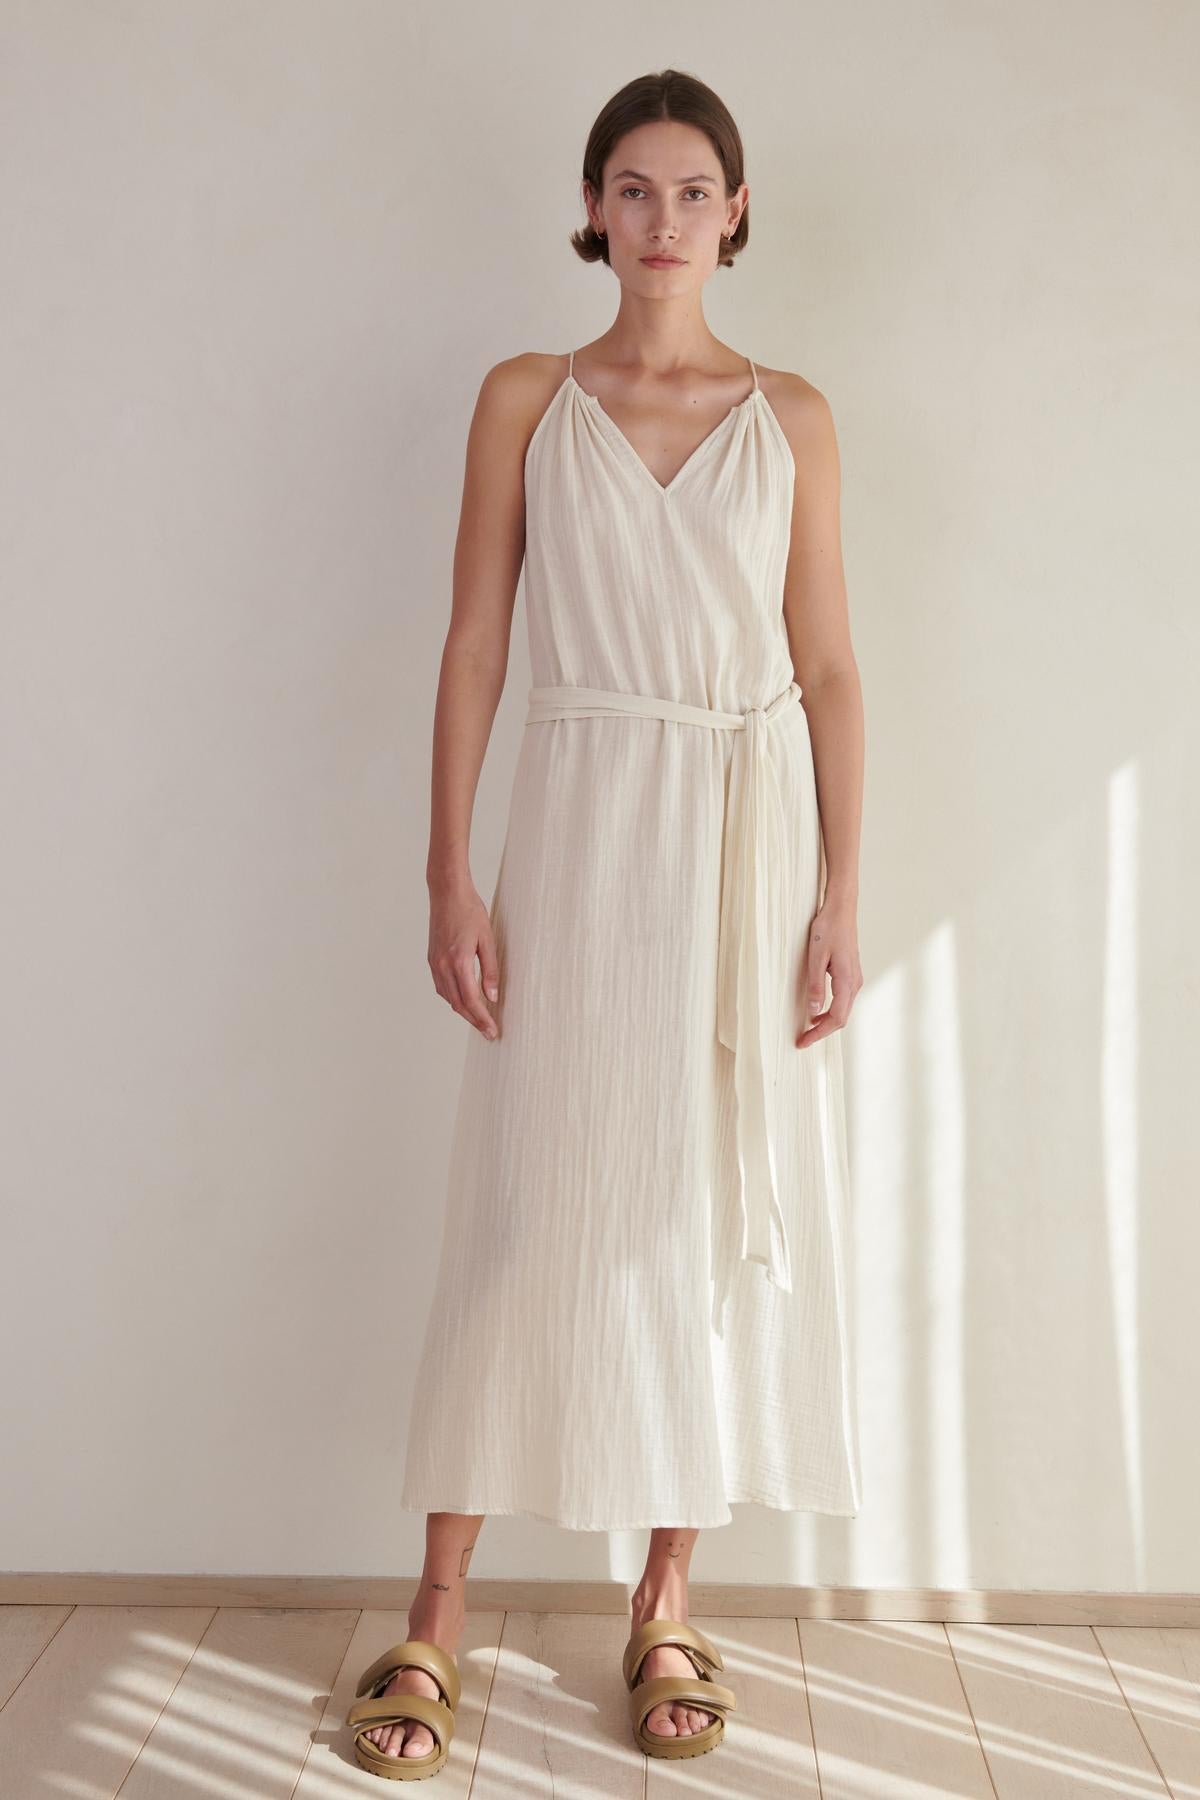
{"x":667,"y":95}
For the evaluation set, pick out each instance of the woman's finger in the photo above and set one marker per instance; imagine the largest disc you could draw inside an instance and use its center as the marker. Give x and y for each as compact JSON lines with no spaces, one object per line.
{"x":471,"y":994}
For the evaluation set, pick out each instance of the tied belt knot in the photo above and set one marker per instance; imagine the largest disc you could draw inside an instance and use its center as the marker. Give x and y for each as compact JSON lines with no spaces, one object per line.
{"x":750,"y":980}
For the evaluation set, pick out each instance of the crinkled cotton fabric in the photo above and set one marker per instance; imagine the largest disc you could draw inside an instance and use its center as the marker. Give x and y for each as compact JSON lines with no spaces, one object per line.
{"x":642,"y":1308}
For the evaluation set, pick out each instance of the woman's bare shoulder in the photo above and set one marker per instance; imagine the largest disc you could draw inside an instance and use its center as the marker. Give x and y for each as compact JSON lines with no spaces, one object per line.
{"x":803,"y":411}
{"x":520,"y":387}
{"x":789,"y":391}
{"x":513,"y":396}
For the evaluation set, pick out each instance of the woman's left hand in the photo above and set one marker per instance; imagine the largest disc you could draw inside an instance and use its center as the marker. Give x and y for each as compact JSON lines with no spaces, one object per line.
{"x":832,"y":951}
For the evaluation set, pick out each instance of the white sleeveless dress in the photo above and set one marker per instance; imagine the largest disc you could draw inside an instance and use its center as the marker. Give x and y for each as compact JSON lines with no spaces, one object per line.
{"x":642,"y":1310}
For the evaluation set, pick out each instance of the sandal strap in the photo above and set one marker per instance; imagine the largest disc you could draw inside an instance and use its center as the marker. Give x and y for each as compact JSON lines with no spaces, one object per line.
{"x":708,"y":1695}
{"x":414,"y":1653}
{"x":654,"y":1632}
{"x":396,"y":1709}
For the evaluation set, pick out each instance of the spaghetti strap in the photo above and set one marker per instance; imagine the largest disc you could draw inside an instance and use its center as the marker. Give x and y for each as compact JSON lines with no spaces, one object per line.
{"x":571,"y":366}
{"x":754,"y":372}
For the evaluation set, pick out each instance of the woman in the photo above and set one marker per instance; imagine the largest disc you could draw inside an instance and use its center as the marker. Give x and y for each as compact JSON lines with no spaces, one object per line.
{"x":642,"y":1308}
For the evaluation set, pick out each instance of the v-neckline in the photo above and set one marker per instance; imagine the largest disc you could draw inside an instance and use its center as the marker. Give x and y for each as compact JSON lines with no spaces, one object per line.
{"x":665,"y":489}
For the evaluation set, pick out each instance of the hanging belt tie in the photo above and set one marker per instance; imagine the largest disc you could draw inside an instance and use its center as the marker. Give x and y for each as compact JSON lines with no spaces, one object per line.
{"x":750,"y":976}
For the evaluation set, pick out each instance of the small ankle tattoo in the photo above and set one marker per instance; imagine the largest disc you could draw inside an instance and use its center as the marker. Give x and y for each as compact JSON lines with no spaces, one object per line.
{"x":466,"y":1555}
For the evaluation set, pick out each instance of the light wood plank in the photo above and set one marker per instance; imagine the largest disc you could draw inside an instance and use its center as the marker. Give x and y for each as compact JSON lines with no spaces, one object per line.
{"x":240,"y":1720}
{"x":767,"y":1751}
{"x":1051,"y":1718}
{"x":556,"y":1722}
{"x":76,"y":1723}
{"x":890,"y":1720}
{"x":1159,"y":1674}
{"x":24,"y":1633}
{"x":330,"y":1769}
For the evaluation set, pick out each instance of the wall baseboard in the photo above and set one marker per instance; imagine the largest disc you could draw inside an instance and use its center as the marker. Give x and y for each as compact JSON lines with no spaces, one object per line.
{"x":985,"y":1606}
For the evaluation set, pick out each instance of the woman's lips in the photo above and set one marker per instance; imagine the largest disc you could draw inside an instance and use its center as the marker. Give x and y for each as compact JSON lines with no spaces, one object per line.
{"x":663,"y":262}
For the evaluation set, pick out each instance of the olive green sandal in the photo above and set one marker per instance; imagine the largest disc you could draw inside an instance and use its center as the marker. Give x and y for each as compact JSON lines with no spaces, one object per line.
{"x":369,"y":1713}
{"x":699,"y":1690}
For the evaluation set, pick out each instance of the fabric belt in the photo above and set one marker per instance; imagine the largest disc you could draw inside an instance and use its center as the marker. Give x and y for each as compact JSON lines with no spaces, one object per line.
{"x":750,"y":980}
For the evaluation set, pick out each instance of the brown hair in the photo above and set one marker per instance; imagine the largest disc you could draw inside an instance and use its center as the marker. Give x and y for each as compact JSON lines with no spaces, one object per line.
{"x":667,"y":95}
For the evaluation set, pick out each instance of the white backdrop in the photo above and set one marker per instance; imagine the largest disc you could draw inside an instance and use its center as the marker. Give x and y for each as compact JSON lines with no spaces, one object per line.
{"x":257,"y":259}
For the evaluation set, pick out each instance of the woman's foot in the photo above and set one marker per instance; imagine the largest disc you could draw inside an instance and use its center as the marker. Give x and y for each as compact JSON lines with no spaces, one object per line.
{"x":670,"y":1718}
{"x":410,"y":1737}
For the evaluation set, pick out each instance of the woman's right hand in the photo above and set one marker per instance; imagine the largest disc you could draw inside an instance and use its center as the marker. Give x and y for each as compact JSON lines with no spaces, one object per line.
{"x":460,"y":928}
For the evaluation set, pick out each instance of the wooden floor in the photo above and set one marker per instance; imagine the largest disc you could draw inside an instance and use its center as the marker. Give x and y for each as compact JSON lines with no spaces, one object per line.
{"x":248,"y":1703}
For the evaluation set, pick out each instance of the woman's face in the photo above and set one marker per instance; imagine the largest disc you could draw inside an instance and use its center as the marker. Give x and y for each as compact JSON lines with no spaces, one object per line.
{"x":664,"y":196}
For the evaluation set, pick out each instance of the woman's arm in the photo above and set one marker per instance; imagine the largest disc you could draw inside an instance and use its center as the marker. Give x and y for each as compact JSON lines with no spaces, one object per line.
{"x":818,"y":626}
{"x":488,"y":553}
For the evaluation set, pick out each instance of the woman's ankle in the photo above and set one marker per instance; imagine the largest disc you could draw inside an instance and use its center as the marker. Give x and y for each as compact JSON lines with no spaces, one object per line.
{"x":439,"y":1623}
{"x":660,"y":1599}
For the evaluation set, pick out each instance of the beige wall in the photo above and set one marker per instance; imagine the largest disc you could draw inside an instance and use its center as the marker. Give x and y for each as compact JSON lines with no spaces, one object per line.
{"x":257,"y":260}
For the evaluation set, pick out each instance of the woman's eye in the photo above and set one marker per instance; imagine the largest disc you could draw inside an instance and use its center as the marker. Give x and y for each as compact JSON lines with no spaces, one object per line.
{"x":703,"y":192}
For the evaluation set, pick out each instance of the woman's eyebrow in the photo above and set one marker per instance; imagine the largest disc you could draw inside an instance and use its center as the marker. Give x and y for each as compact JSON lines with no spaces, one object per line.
{"x":683,"y":180}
